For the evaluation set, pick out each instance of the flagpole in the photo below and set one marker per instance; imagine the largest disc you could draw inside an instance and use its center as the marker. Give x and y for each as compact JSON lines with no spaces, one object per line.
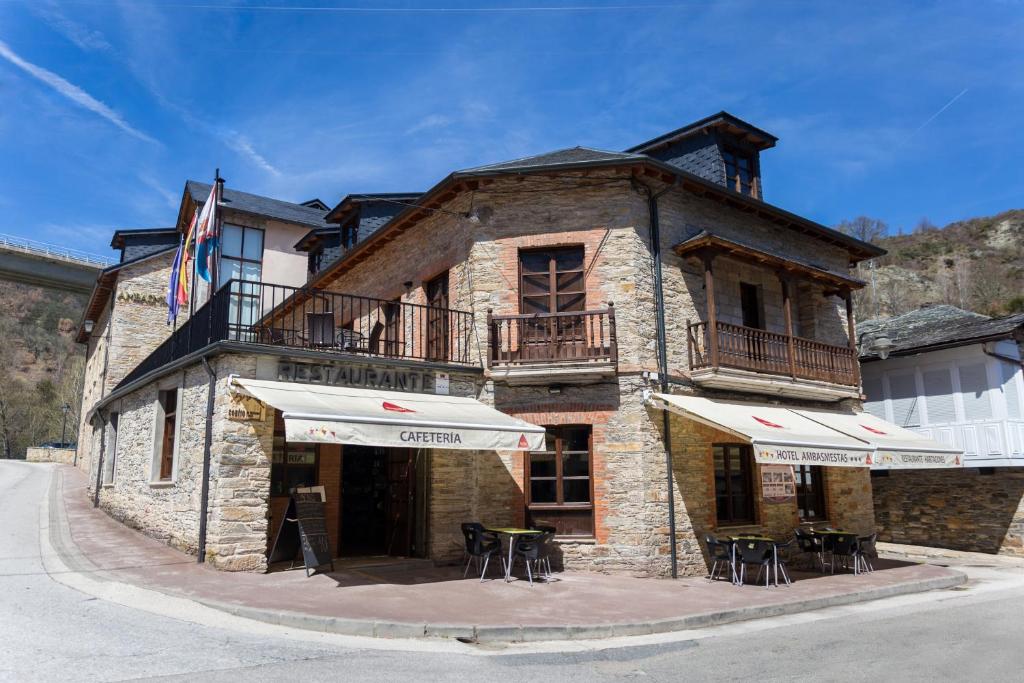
{"x":217,"y":222}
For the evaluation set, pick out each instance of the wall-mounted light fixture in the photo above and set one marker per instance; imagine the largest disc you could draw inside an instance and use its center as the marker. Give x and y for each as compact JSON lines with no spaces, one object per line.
{"x":89,"y":324}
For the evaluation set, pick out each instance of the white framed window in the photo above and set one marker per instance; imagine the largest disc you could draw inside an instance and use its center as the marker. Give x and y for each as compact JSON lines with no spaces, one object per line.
{"x":166,"y":435}
{"x":110,"y":466}
{"x":974,"y":391}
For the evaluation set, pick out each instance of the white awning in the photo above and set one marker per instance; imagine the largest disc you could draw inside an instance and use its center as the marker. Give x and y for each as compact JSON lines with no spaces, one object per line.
{"x":316,"y":413}
{"x":794,"y":436}
{"x":895,"y":447}
{"x":778,"y":435}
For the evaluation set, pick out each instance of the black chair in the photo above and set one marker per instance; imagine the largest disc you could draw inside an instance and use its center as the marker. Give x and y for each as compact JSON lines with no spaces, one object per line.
{"x":755,"y":552}
{"x":530,"y":547}
{"x":551,"y":532}
{"x":480,"y":545}
{"x":847,"y":547}
{"x":320,"y":329}
{"x":720,"y":554}
{"x":868,"y":551}
{"x":811,"y":544}
{"x":780,"y":561}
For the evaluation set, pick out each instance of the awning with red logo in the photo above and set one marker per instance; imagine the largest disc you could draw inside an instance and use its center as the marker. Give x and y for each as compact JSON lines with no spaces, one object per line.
{"x":315,"y":413}
{"x":791,"y":436}
{"x":895,"y":447}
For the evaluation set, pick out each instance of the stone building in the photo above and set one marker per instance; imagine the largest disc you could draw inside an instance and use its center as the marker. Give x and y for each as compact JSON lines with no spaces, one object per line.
{"x":631,"y":347}
{"x":957,"y":377}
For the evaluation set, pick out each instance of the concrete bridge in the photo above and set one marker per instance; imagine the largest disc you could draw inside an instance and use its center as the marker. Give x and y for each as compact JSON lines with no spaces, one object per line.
{"x":48,"y":265}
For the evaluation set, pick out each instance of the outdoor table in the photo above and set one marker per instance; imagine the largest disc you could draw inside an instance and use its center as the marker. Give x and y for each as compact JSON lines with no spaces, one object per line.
{"x":511,"y":532}
{"x":758,"y":537}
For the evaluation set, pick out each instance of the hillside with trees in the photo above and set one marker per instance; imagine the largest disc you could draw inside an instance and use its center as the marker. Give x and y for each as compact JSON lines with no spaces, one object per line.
{"x":975,"y":264}
{"x":41,"y":367}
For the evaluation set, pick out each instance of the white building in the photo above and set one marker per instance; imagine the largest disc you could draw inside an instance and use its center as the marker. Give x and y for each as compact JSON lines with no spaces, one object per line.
{"x":956,"y":377}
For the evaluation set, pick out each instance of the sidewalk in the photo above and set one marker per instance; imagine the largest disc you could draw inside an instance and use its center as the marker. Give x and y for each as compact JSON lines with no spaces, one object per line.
{"x":946,"y":557}
{"x":414,"y":599}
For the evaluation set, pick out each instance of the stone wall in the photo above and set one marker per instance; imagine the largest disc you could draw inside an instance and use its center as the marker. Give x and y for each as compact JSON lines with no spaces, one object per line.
{"x":63,"y":456}
{"x":957,"y":509}
{"x":848,"y":500}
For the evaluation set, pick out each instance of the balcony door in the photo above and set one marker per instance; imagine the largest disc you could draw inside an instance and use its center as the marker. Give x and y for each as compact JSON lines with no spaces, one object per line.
{"x":241,"y":259}
{"x":551,"y":281}
{"x":437,"y":317}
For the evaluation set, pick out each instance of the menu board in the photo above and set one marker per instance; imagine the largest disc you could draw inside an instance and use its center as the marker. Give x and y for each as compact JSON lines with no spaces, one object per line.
{"x":304,"y":528}
{"x":778,"y":485}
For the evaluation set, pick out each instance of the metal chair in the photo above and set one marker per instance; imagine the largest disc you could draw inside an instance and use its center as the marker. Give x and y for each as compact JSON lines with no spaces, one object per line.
{"x":847,"y":547}
{"x":720,"y":554}
{"x":320,"y":329}
{"x":530,"y":548}
{"x":813,"y":545}
{"x":480,"y":544}
{"x":868,"y":551}
{"x":545,"y":557}
{"x":780,"y":562}
{"x":755,"y":552}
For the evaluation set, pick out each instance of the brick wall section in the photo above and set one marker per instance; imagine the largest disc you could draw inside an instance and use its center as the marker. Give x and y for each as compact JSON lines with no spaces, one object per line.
{"x":956,"y":509}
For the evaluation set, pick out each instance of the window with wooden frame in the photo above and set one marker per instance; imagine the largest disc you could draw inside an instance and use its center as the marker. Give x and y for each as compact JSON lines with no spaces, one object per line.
{"x":168,"y":401}
{"x":292,"y":464}
{"x":810,"y":492}
{"x":734,"y":484}
{"x":740,"y":172}
{"x":552,"y":281}
{"x":559,"y":482}
{"x":437,"y":317}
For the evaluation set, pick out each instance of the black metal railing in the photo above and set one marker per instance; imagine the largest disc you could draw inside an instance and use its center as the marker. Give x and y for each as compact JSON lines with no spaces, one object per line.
{"x":315,"y":319}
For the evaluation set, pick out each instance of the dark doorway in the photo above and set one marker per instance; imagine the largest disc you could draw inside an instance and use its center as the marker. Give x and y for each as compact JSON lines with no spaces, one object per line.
{"x":378,"y":494}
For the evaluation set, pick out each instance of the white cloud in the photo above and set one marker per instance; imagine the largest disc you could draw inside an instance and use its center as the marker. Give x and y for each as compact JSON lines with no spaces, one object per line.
{"x":72,"y":92}
{"x":82,"y":36}
{"x":428,"y":123}
{"x":241,"y":144}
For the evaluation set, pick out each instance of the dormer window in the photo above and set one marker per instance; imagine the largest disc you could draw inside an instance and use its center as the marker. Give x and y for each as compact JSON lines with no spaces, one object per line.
{"x":740,"y":174}
{"x":349,"y":235}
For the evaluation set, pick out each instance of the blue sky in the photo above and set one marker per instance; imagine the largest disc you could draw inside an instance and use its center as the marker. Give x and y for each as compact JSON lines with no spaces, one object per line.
{"x":894,"y":110}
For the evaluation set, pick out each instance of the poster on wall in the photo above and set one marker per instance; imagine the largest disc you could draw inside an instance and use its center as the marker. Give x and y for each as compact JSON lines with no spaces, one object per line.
{"x":778,"y":484}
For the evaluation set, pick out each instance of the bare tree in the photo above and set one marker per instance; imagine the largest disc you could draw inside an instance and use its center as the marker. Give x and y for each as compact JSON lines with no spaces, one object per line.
{"x":864,"y":228}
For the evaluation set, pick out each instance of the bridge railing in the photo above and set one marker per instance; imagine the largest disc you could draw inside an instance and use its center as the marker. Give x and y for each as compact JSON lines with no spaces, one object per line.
{"x":37,"y":248}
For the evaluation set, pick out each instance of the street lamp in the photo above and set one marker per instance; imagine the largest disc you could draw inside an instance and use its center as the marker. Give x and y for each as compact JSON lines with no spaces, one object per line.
{"x":64,"y":427}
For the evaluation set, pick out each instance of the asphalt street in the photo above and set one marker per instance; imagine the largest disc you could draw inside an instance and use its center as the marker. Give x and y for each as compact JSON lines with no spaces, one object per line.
{"x":50,"y":630}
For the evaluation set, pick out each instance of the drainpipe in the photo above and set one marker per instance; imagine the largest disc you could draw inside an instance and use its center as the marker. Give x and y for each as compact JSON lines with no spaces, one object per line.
{"x":659,"y":304}
{"x":99,"y":462}
{"x":204,"y":496}
{"x":103,"y":392}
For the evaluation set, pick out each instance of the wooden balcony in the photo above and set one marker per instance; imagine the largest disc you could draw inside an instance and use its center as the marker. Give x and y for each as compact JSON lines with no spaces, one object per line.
{"x":724,"y":345}
{"x":554,"y":347}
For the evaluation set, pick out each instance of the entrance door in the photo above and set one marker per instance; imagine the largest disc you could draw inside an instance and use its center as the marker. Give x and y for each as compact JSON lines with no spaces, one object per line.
{"x":377,"y":496}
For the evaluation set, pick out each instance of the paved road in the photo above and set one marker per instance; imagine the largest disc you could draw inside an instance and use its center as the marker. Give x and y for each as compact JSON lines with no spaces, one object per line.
{"x":50,"y":631}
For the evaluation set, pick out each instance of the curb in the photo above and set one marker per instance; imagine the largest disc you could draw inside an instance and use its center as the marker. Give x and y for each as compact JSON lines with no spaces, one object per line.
{"x":64,"y":546}
{"x":522,"y":633}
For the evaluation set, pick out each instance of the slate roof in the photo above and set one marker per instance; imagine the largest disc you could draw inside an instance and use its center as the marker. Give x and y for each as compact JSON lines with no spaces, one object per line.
{"x":722,"y":118}
{"x":259,"y":205}
{"x":117,"y":241}
{"x":400,"y":200}
{"x":934,"y":327}
{"x":560,"y":157}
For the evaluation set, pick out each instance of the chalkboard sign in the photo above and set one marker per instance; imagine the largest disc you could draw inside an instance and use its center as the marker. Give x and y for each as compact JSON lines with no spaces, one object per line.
{"x":304,"y":527}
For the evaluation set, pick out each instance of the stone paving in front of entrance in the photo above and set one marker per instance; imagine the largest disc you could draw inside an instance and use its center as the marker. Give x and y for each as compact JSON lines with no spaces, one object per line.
{"x":387,"y":598}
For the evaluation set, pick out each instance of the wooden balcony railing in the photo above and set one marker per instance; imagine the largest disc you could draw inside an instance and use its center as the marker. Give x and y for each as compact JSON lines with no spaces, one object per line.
{"x":584,"y":337}
{"x":747,"y":348}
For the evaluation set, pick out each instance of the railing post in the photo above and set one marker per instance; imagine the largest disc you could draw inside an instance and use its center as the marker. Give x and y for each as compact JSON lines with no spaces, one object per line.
{"x":709,"y":294}
{"x":787,"y":311}
{"x":492,"y":338}
{"x":852,"y":333}
{"x":612,"y":339}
